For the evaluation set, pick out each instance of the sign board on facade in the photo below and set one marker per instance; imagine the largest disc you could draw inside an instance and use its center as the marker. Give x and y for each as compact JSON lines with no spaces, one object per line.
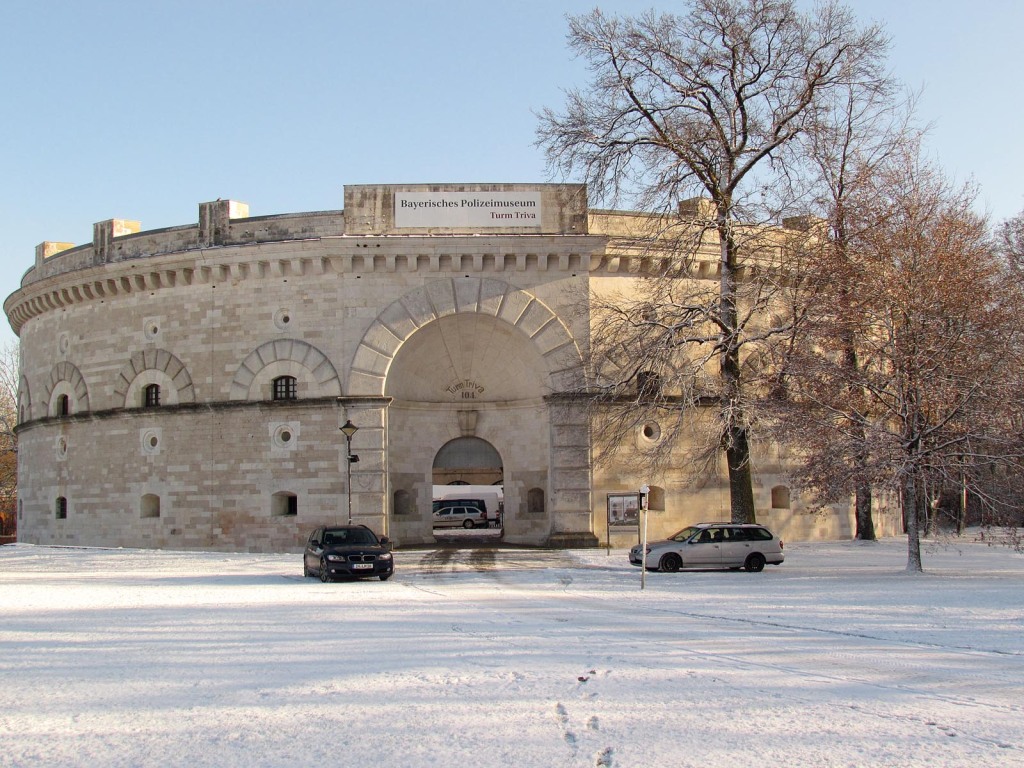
{"x":623,"y":510}
{"x":467,"y":209}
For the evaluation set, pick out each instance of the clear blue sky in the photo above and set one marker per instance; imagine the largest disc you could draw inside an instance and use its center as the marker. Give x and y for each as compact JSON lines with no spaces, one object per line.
{"x":142,"y":110}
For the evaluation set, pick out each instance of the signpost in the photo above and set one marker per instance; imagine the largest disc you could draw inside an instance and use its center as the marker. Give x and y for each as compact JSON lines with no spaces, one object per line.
{"x":644,"y":490}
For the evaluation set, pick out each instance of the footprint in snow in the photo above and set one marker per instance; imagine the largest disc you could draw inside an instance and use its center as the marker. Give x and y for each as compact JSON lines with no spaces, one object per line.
{"x":563,"y":718}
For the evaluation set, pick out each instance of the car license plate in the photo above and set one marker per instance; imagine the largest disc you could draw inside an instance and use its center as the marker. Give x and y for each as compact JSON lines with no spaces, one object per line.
{"x":362,"y":566}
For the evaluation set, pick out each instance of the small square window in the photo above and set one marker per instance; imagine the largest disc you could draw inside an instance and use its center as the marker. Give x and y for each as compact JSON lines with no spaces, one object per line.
{"x":62,"y":508}
{"x":150,"y":505}
{"x":151,"y":398}
{"x":285,"y":388}
{"x":284,"y":504}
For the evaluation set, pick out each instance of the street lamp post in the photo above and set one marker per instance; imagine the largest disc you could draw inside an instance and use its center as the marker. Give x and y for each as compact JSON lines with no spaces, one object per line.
{"x":349,"y":429}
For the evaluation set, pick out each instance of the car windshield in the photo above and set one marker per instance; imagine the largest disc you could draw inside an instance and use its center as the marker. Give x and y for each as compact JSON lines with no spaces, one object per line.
{"x":684,"y":534}
{"x":342,"y":537}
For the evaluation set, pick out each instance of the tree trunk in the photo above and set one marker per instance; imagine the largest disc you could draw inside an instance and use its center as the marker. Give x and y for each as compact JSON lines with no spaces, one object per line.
{"x":911,"y":516}
{"x":961,"y":514}
{"x":741,"y":488}
{"x":865,"y":523}
{"x":737,"y":439}
{"x":862,"y":491}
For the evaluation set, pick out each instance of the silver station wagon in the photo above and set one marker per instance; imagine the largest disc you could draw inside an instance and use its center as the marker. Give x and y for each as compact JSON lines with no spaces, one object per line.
{"x":713,"y":546}
{"x":458,"y":516}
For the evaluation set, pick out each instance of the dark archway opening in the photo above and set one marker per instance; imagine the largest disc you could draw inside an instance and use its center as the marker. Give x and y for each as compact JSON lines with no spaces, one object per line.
{"x":468,"y":493}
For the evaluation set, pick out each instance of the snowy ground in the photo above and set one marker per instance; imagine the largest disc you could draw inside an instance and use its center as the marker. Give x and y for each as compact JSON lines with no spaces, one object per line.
{"x":512,"y":658}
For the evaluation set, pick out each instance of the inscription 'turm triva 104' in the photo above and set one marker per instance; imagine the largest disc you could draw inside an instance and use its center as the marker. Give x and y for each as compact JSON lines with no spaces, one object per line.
{"x":467,"y":389}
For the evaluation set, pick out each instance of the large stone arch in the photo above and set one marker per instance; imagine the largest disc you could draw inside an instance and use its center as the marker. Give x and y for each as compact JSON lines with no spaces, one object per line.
{"x":154,"y":366}
{"x":66,"y":379}
{"x":525,"y":354}
{"x":285,"y":357}
{"x":441,"y":298}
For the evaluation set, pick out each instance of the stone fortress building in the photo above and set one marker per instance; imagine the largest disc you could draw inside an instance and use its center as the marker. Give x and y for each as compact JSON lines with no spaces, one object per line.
{"x":185,"y":387}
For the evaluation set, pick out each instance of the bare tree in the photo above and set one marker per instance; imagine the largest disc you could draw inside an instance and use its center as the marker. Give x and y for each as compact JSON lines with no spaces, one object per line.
{"x":936,"y":330}
{"x":9,"y":369}
{"x":708,"y":103}
{"x":856,"y":132}
{"x":1010,"y":239}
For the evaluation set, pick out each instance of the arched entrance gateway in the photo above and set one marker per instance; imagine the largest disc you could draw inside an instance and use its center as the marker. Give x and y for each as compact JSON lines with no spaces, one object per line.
{"x":469,"y":386}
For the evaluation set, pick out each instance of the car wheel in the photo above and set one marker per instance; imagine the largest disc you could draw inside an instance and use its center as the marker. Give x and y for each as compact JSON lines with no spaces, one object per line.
{"x":671,"y":562}
{"x":325,"y":575}
{"x":385,"y":576}
{"x":755,"y":563}
{"x":468,"y":524}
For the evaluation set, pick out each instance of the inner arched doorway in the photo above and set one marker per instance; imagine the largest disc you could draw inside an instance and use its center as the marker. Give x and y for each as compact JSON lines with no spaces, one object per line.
{"x":468,"y":474}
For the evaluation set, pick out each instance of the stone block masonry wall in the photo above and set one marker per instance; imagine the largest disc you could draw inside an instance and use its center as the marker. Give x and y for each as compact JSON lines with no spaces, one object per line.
{"x":215,"y":472}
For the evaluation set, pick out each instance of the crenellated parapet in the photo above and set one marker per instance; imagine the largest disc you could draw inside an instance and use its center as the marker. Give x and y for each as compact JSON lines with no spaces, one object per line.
{"x":369,"y":236}
{"x":374,"y":234}
{"x":370,"y":210}
{"x":221,"y":223}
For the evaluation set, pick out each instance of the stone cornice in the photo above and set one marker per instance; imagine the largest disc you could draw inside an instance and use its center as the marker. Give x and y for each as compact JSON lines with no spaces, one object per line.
{"x":303,"y":404}
{"x":340,"y":255}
